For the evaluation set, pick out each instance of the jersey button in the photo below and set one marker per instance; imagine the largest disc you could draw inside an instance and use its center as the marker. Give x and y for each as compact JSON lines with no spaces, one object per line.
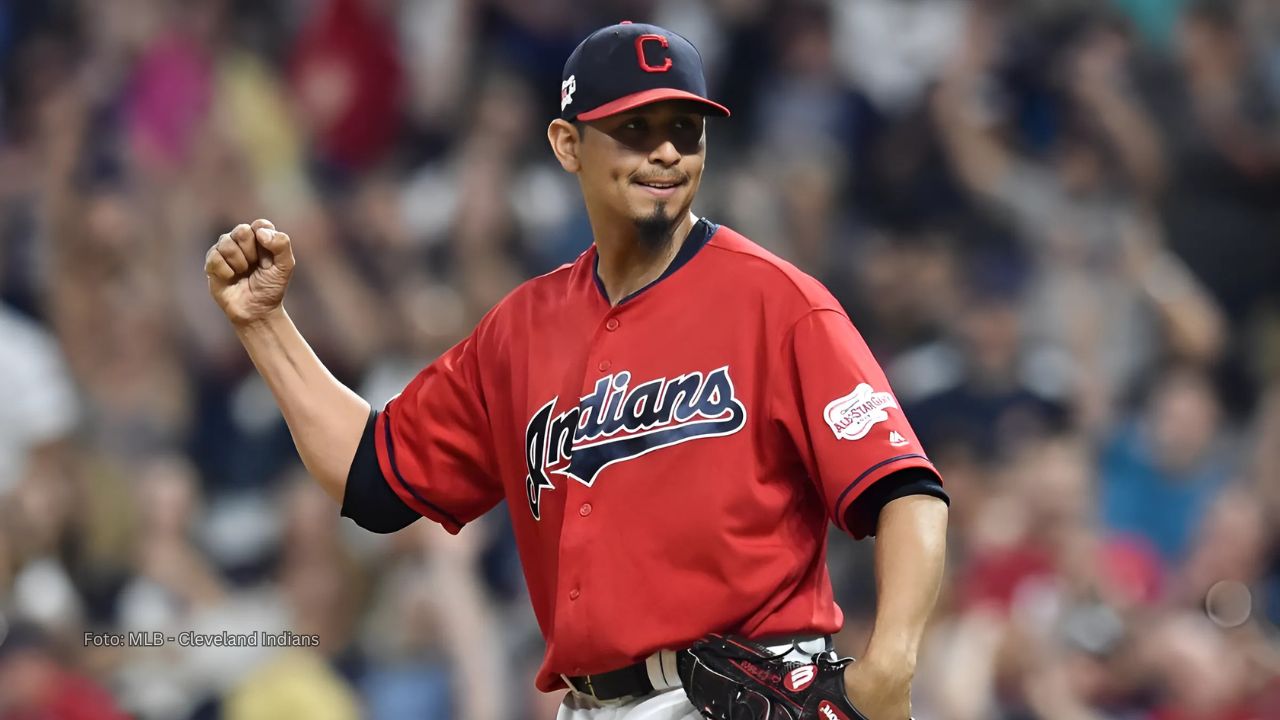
{"x":611,"y":324}
{"x":585,"y":510}
{"x":605,"y":365}
{"x":574,"y":593}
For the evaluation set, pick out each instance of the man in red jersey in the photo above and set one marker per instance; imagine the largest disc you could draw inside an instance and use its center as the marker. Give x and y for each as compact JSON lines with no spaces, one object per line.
{"x":673,"y":419}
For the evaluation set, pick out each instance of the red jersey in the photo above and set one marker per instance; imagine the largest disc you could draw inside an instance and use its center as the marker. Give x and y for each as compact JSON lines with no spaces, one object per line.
{"x":670,"y":463}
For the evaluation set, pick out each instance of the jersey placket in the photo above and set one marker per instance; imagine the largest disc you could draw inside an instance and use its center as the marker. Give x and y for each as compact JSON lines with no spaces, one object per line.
{"x":579,"y":551}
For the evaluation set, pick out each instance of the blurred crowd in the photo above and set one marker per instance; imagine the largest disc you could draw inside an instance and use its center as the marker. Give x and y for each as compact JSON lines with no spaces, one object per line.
{"x":1056,"y":222}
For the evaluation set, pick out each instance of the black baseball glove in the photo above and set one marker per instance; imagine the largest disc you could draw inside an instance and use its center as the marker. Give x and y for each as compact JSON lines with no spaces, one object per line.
{"x":729,"y":678}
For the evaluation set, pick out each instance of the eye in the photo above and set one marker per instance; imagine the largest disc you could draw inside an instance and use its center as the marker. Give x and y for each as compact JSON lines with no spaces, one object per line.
{"x":688,"y":123}
{"x":688,"y":129}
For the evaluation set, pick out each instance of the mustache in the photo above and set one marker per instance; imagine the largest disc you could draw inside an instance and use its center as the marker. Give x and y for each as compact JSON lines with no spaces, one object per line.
{"x":675,"y":179}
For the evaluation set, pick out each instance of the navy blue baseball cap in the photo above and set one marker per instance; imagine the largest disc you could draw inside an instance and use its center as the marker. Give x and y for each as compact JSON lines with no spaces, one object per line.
{"x":624,"y":66}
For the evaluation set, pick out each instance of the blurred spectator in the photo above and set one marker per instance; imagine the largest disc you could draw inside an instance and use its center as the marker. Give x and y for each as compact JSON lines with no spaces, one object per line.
{"x":170,"y":91}
{"x":805,"y":102}
{"x":1218,"y":118}
{"x":36,"y":684}
{"x":296,"y":684}
{"x":895,"y":50}
{"x":1176,"y":457}
{"x":40,"y":408}
{"x":170,"y":584}
{"x":998,"y":397}
{"x":1104,"y":283}
{"x":348,"y":77}
{"x":1202,"y":673}
{"x":1232,"y":545}
{"x":437,"y":647}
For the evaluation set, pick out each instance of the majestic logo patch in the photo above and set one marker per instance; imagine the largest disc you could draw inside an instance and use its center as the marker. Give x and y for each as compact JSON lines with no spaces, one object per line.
{"x":852,"y":416}
{"x":800,"y":678}
{"x":617,"y":422}
{"x":567,"y":89}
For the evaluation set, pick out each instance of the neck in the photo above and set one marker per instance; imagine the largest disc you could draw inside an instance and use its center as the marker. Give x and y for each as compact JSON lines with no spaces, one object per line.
{"x":628,"y":262}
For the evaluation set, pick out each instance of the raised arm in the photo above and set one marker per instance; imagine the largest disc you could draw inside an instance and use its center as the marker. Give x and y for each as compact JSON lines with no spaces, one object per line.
{"x":249,"y":270}
{"x":977,"y":156}
{"x":1098,"y":83}
{"x":1194,"y":325}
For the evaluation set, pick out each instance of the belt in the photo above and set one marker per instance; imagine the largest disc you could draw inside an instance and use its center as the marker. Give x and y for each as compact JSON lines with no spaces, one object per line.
{"x":658,"y":671}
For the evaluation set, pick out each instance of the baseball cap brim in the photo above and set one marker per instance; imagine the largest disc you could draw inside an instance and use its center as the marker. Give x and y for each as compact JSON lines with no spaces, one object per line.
{"x":648,"y":97}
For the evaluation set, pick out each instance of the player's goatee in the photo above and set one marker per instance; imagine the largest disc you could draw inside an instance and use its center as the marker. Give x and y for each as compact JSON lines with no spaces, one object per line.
{"x":655,"y":231}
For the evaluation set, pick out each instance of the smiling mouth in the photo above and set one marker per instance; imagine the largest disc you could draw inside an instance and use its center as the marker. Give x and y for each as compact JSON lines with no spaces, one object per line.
{"x":660,"y":185}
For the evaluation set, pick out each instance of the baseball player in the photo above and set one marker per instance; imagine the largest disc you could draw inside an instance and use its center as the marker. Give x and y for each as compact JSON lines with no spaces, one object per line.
{"x":672,"y":419}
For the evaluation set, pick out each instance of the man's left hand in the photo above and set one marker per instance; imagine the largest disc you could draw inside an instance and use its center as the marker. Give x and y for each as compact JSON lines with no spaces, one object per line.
{"x":880,"y":691}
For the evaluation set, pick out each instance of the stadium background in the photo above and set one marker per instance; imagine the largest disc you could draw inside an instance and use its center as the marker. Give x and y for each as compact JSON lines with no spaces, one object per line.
{"x":1056,"y":223}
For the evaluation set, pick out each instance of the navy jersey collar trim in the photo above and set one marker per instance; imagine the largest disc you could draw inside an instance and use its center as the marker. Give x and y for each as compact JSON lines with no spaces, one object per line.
{"x":699,"y":235}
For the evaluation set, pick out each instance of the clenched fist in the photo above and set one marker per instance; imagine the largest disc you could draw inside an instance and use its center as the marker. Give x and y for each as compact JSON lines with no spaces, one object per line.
{"x":248,"y":270}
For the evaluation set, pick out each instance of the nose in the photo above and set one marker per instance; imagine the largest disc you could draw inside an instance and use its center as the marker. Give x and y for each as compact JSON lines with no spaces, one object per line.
{"x":665,"y":154}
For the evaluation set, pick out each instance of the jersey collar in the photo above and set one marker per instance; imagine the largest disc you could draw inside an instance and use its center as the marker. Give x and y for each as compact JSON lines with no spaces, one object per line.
{"x":699,"y":235}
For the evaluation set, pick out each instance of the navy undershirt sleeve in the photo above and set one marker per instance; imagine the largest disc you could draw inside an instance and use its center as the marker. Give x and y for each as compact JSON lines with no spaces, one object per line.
{"x":864,"y":514}
{"x":368,"y":499}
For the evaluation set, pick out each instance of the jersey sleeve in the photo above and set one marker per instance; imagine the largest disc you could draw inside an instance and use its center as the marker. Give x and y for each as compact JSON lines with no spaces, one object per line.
{"x":834,"y":402}
{"x":433,"y":441}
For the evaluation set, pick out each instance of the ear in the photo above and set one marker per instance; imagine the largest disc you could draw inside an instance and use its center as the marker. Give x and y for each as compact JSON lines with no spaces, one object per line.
{"x":565,"y":143}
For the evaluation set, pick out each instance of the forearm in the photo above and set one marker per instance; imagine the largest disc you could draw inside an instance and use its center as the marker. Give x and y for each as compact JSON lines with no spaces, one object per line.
{"x":353,"y":309}
{"x":963,"y":120}
{"x":910,"y":554}
{"x":470,"y":631}
{"x":1134,"y":138}
{"x":979,"y":160}
{"x":1193,"y":324}
{"x":325,"y":418}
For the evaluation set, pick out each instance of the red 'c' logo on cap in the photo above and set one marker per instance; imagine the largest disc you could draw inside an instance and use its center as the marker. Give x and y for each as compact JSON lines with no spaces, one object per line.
{"x":644,"y":64}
